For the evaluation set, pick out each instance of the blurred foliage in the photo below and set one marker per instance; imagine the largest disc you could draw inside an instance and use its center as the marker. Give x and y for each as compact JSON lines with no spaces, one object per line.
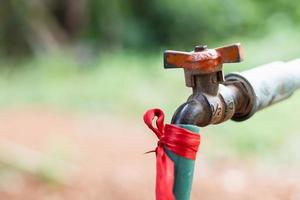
{"x":127,"y":83}
{"x":35,"y":26}
{"x":123,"y":81}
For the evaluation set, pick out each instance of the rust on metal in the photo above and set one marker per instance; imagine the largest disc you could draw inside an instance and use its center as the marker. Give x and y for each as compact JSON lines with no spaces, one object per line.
{"x":206,"y":61}
{"x":238,"y":97}
{"x":211,"y":102}
{"x":202,"y":59}
{"x":231,"y":54}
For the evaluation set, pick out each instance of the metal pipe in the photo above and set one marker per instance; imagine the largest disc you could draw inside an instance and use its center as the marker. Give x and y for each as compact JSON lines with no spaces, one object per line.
{"x":267,"y":84}
{"x":294,"y":67}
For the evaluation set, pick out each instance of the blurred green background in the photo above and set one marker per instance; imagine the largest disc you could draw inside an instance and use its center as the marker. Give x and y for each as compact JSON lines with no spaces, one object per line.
{"x":106,"y":56}
{"x":112,"y":52}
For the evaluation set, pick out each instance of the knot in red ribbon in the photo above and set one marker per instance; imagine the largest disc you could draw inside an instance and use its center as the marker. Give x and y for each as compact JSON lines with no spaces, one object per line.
{"x":176,"y":139}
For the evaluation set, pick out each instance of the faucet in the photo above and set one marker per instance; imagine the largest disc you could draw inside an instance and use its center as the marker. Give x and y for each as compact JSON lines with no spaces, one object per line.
{"x":217,"y":98}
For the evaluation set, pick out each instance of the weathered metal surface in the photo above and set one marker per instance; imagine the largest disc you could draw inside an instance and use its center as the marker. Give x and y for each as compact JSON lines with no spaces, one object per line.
{"x":211,"y":102}
{"x":240,"y":96}
{"x":244,"y":99}
{"x":206,"y":61}
{"x":214,"y":101}
{"x":267,"y":84}
{"x":202,"y":61}
{"x":294,"y":68}
{"x":202,"y":109}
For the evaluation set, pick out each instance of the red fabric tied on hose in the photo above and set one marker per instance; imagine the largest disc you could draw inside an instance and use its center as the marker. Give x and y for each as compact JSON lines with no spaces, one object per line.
{"x":176,"y":139}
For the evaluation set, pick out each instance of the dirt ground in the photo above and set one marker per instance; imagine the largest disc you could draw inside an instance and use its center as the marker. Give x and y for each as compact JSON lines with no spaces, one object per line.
{"x":99,"y":156}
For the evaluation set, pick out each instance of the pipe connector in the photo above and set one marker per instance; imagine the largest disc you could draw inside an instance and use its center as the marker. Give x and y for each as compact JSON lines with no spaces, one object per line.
{"x":202,"y":109}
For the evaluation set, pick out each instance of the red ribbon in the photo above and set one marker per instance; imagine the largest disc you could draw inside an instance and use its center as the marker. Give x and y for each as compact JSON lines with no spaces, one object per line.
{"x":176,"y":139}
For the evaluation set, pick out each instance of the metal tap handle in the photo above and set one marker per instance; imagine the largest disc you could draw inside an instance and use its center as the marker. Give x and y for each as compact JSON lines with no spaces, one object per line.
{"x":202,"y":60}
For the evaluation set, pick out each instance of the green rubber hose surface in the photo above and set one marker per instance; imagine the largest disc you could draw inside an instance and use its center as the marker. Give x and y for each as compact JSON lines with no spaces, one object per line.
{"x":184,"y":170}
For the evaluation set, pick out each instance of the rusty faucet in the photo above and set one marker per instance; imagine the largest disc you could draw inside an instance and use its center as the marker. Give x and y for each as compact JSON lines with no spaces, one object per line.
{"x":215,"y":99}
{"x":236,"y":96}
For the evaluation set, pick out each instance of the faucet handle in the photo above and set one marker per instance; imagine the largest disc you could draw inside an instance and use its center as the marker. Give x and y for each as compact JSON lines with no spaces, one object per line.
{"x":203,"y":60}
